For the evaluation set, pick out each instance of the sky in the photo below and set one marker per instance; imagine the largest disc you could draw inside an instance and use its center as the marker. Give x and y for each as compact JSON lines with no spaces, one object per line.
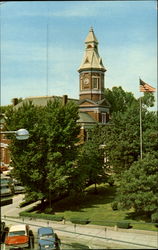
{"x":42,"y":45}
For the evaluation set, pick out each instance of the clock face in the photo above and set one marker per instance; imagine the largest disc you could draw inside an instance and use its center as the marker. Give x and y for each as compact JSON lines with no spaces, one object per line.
{"x":86,"y":81}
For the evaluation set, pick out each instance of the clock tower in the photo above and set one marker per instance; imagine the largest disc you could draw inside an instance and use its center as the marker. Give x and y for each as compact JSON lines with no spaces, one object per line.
{"x":91,"y":70}
{"x":92,"y":103}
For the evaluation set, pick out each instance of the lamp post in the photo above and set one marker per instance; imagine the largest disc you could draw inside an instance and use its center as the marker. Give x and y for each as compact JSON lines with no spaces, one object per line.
{"x":21,"y":134}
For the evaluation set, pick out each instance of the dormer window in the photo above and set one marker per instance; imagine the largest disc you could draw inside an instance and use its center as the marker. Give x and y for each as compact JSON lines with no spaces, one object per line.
{"x":86,"y":61}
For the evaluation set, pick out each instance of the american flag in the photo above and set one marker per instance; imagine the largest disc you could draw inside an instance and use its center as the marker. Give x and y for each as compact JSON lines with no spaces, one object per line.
{"x":145,"y":87}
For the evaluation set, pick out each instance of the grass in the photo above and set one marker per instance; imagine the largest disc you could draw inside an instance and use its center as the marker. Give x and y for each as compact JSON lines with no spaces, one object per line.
{"x":97,"y":208}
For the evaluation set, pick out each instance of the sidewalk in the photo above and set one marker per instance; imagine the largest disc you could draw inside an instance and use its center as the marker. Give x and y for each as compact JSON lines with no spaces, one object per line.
{"x":97,"y":236}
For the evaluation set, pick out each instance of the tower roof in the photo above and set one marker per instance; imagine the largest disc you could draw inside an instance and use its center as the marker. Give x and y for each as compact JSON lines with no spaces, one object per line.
{"x":91,"y":37}
{"x":91,"y":58}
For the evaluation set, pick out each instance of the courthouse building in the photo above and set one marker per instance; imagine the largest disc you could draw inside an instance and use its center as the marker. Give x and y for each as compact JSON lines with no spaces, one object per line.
{"x":93,"y":107}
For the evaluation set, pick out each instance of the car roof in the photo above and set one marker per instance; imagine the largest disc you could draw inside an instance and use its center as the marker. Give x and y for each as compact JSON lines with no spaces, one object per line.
{"x":45,"y":230}
{"x":17,"y":228}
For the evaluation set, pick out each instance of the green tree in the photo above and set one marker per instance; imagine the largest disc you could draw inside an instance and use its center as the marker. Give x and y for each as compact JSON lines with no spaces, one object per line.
{"x":4,"y":109}
{"x":119,"y":99}
{"x":138,"y":186}
{"x":91,"y":158}
{"x":45,"y":163}
{"x":122,"y":136}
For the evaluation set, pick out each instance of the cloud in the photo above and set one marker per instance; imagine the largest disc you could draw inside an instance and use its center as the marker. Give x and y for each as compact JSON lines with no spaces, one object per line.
{"x":67,"y":9}
{"x":56,"y":9}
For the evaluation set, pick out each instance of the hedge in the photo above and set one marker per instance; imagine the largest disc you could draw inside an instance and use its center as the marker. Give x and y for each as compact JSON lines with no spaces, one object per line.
{"x":41,"y":216}
{"x":79,"y":221}
{"x":26,"y":203}
{"x":123,"y":224}
{"x":6,"y":202}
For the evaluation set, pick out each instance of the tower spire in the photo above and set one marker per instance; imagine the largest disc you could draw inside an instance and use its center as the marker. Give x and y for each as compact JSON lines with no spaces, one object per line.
{"x":91,"y":59}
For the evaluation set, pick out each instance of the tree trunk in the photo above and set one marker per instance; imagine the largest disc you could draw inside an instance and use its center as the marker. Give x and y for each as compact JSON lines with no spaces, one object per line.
{"x":96,"y":191}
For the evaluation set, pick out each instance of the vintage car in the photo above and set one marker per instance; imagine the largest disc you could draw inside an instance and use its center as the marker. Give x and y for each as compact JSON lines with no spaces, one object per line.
{"x":47,"y":239}
{"x":17,"y":187}
{"x":5,"y":186}
{"x":18,"y":236}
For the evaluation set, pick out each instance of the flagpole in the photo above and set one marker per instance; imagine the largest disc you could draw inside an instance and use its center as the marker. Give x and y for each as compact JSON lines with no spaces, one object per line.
{"x":144,"y":87}
{"x":141,"y":141}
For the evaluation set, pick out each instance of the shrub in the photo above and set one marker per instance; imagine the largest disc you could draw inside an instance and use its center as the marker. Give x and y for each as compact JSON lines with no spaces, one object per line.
{"x":27,"y":202}
{"x":41,"y":216}
{"x":48,"y":210}
{"x":123,"y":224}
{"x":6,"y":202}
{"x":154,"y":218}
{"x":79,"y":221}
{"x":114,"y":205}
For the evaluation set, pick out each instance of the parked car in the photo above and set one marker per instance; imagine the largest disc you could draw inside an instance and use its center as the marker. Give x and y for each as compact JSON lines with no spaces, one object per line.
{"x":5,"y":185}
{"x":8,"y":171}
{"x":47,"y":239}
{"x":4,"y":168}
{"x":17,"y":187}
{"x":18,"y":237}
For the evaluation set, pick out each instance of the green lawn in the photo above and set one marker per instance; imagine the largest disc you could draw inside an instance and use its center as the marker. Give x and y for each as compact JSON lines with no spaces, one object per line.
{"x":97,"y":208}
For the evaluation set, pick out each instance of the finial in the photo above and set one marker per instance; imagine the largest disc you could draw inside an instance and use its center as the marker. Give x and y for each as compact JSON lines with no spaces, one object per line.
{"x":91,"y":29}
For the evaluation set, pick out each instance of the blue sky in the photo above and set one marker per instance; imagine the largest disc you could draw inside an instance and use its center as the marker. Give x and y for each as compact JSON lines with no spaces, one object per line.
{"x":126,"y":31}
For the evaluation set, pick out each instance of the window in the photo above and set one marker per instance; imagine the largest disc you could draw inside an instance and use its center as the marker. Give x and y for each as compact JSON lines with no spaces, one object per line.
{"x":95,"y":82}
{"x":103,"y":117}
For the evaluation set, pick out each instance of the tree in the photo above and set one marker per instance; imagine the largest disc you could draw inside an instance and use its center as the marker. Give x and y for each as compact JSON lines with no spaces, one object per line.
{"x":122,"y":137}
{"x":4,"y":109}
{"x":119,"y":99}
{"x":91,"y":158}
{"x":45,"y":163}
{"x":138,"y":186}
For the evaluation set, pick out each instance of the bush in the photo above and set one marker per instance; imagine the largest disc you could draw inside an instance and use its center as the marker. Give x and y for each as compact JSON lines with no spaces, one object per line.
{"x":5,"y":202}
{"x":79,"y":221}
{"x":41,"y":216}
{"x":27,"y":202}
{"x":123,"y":224}
{"x":114,"y":205}
{"x":154,"y":218}
{"x":48,"y":210}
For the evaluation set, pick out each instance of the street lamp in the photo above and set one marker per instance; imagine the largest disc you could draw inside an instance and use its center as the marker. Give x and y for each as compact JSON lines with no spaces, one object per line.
{"x":21,"y":134}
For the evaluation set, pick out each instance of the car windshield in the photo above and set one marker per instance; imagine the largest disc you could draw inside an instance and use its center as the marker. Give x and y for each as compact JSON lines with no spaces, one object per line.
{"x":4,"y":187}
{"x":16,"y":233}
{"x":5,"y":181}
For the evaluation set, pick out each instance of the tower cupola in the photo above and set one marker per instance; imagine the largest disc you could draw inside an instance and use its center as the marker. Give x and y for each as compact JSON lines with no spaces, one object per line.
{"x":91,"y":70}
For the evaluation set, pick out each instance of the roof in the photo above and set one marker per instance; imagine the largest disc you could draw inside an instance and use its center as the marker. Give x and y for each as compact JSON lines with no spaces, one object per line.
{"x":45,"y":230}
{"x":91,"y":58}
{"x":91,"y":37}
{"x":17,"y":228}
{"x":41,"y":100}
{"x":103,"y":102}
{"x":85,"y":118}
